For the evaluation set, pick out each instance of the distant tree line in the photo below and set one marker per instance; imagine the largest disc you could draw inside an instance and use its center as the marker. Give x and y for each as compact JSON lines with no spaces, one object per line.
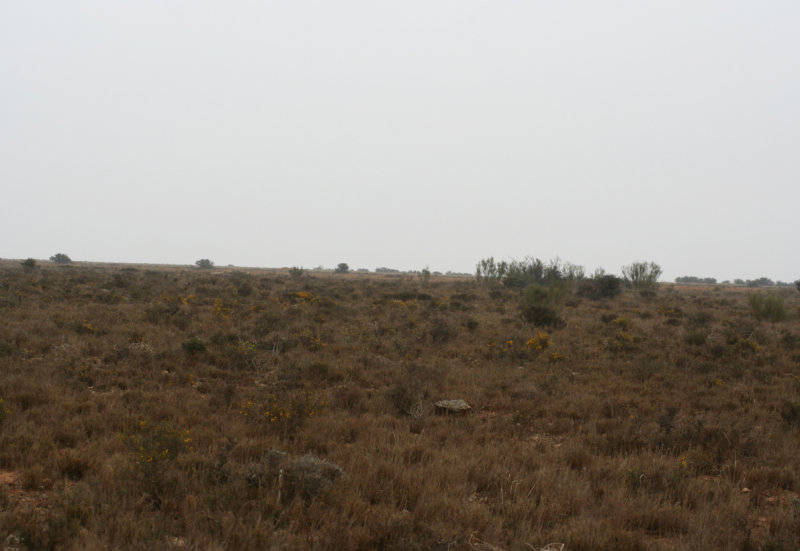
{"x":760,"y":282}
{"x":693,"y":279}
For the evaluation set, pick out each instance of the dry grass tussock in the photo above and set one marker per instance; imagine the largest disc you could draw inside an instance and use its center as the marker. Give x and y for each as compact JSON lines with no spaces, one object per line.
{"x":185,"y":409}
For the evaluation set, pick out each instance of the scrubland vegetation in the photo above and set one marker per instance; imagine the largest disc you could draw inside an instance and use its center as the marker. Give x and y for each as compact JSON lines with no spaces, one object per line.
{"x":199,"y":409}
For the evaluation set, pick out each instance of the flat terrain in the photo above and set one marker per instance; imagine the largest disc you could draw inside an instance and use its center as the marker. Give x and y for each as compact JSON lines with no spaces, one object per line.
{"x":148,"y":408}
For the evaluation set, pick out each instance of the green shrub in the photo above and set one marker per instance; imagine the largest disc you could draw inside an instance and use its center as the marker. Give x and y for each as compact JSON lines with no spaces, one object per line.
{"x":61,"y":258}
{"x":642,"y":275}
{"x":342,"y":268}
{"x":204,"y":264}
{"x":28,"y":264}
{"x":604,"y":286}
{"x":194,"y":346}
{"x":540,"y":304}
{"x":768,"y":307}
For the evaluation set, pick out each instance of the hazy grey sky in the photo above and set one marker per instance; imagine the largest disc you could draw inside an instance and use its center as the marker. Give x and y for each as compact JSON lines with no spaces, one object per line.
{"x":404,"y":134}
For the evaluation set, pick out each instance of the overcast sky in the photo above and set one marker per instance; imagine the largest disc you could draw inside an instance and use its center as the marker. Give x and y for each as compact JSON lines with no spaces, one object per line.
{"x":404,"y":134}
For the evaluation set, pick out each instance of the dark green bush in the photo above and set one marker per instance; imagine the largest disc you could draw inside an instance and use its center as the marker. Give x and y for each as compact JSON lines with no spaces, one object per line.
{"x":61,"y":258}
{"x":542,"y":316}
{"x":606,"y":286}
{"x":194,"y":346}
{"x":204,"y":264}
{"x":540,"y":304}
{"x":28,"y":264}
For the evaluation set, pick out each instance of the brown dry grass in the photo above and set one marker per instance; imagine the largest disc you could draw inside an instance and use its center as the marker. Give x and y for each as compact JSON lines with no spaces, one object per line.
{"x":300,"y":416}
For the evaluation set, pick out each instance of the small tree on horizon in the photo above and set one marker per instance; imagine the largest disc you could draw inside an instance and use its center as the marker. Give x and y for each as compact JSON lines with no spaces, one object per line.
{"x":342,"y":268}
{"x":61,"y":258}
{"x":204,"y":264}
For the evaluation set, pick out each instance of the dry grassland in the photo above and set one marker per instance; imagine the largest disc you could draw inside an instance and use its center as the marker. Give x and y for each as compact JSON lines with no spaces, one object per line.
{"x":183,"y":409}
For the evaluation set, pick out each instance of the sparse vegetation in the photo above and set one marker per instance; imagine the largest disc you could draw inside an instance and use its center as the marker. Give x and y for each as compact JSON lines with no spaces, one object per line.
{"x":204,"y":264}
{"x":168,"y":408}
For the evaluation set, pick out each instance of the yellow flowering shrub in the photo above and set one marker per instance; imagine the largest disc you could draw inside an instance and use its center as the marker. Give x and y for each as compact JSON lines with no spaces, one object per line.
{"x":540,"y":341}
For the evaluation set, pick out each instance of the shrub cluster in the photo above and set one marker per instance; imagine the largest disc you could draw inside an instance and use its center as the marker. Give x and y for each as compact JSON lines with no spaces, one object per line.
{"x":599,"y":287}
{"x":540,"y":304}
{"x":642,"y":275}
{"x":521,"y":273}
{"x":769,"y":307}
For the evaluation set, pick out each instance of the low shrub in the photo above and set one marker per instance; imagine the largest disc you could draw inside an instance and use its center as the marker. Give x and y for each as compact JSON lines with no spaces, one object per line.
{"x":768,"y":307}
{"x":605,"y":286}
{"x":540,"y":304}
{"x":309,"y":477}
{"x":539,"y":342}
{"x":441,"y":331}
{"x":194,"y":346}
